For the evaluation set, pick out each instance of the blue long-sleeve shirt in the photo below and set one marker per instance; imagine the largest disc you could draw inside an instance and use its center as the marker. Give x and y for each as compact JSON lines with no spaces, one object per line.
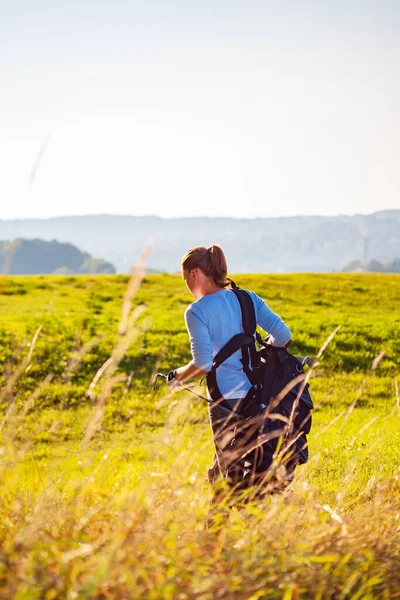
{"x":212,"y":321}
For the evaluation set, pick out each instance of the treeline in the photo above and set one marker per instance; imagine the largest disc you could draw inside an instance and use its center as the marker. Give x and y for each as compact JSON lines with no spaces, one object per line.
{"x":372,"y":266}
{"x":34,"y":257}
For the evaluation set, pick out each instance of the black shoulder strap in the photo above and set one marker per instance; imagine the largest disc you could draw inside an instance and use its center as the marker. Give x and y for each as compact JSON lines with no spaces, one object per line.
{"x":249,"y":326}
{"x":244,"y":341}
{"x":248,"y":314}
{"x":238,"y":341}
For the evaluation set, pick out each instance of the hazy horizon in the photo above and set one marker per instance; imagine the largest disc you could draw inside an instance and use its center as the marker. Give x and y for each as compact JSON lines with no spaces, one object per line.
{"x":181,"y":109}
{"x":199,"y":216}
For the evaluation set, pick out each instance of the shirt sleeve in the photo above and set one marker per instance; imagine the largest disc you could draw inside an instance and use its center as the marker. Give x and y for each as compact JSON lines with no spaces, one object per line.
{"x":271,"y":322}
{"x":200,"y":339}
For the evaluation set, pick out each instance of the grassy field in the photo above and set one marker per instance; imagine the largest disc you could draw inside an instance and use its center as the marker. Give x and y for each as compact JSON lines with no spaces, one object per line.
{"x":103,"y":482}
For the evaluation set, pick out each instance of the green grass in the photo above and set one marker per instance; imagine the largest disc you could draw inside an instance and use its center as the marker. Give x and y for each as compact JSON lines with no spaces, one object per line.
{"x":122,"y":515}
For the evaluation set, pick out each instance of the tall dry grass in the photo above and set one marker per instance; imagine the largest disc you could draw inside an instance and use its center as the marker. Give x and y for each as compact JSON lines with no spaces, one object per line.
{"x":97,"y":524}
{"x":118,"y":530}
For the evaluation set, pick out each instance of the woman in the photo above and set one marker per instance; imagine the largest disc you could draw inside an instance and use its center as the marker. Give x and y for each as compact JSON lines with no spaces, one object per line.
{"x":212,"y":320}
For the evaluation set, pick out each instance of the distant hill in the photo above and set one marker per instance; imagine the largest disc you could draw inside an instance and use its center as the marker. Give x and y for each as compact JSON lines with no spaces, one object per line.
{"x":372,"y":266}
{"x":31,"y":257}
{"x":275,"y":245}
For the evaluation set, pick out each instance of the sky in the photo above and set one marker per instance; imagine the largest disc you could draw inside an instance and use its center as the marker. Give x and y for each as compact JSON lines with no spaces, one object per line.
{"x":250,"y":108}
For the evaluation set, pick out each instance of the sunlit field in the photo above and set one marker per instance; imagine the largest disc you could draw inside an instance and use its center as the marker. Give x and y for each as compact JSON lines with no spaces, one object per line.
{"x":104,"y":490}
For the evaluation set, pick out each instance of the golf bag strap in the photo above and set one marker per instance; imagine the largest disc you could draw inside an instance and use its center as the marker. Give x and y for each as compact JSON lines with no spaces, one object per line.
{"x":247,"y":308}
{"x":212,"y":386}
{"x":238,"y":341}
{"x":244,"y":341}
{"x":249,"y":325}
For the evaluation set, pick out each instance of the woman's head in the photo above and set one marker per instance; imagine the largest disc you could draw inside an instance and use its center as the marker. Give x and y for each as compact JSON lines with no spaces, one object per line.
{"x":204,"y":269}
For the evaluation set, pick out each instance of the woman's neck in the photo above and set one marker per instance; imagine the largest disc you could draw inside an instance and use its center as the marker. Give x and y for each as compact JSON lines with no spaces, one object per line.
{"x":209,"y":288}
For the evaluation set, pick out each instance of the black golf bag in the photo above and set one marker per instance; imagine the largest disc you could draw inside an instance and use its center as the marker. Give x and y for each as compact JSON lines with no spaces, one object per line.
{"x":262,"y":438}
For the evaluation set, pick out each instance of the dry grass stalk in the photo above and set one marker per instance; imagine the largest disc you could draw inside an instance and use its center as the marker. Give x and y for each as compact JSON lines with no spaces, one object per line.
{"x":18,"y":417}
{"x":97,"y":377}
{"x":97,"y":418}
{"x":129,"y":381}
{"x":157,"y":364}
{"x":375,"y":363}
{"x":7,"y":391}
{"x":77,"y":357}
{"x":377,"y":360}
{"x":30,"y":402}
{"x":328,"y":341}
{"x":127,"y":333}
{"x":131,"y":290}
{"x":367,"y":425}
{"x":118,"y":353}
{"x":9,"y":252}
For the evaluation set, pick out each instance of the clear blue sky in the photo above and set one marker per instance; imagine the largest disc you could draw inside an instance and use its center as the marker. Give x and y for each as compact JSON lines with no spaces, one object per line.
{"x":250,"y":108}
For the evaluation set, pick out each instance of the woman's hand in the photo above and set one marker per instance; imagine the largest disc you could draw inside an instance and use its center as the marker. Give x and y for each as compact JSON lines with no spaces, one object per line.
{"x":172,"y":382}
{"x":189,"y":371}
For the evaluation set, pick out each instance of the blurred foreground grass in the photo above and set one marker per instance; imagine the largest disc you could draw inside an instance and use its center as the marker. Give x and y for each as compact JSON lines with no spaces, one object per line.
{"x":122,"y":515}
